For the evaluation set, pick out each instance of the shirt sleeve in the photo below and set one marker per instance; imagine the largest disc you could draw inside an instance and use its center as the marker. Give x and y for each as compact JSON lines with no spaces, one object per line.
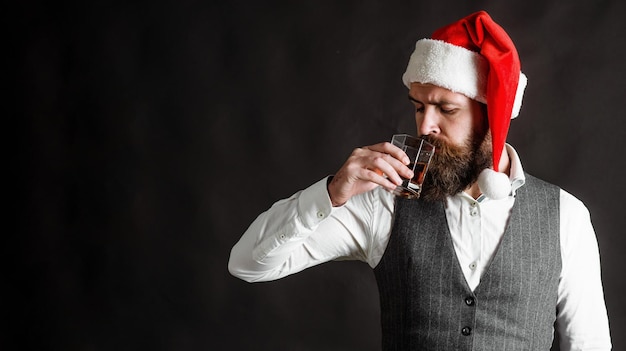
{"x":302,"y":231}
{"x":582,"y":321}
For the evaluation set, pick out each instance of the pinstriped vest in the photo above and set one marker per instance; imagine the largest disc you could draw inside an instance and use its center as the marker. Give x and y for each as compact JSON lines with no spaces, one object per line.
{"x":426,"y":303}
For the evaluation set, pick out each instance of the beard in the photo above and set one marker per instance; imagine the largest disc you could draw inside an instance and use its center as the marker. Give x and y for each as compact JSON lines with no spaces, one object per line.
{"x":454,"y":168}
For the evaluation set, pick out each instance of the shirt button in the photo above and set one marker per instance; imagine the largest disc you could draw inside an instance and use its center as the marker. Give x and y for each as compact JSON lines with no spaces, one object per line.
{"x":320,"y":214}
{"x":466,"y":331}
{"x":473,"y":265}
{"x":469,"y":301}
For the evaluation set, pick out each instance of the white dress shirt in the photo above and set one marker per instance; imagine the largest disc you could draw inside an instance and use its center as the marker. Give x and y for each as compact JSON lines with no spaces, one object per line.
{"x":305,"y":230}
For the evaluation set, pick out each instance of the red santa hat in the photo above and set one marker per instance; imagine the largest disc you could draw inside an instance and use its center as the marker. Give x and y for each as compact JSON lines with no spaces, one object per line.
{"x":475,"y":57}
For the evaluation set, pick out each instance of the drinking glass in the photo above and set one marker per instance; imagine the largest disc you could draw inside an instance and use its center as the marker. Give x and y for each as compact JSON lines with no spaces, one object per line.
{"x":420,"y":153}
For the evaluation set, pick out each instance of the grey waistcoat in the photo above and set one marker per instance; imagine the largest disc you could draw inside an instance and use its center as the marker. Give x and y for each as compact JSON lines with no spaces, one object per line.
{"x":426,"y":303}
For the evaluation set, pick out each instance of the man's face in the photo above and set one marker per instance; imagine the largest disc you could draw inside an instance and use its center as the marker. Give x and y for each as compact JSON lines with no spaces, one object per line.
{"x":458,"y":127}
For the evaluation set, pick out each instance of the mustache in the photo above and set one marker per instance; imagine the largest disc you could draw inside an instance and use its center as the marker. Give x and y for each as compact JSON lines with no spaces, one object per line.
{"x":447,"y":151}
{"x":472,"y":144}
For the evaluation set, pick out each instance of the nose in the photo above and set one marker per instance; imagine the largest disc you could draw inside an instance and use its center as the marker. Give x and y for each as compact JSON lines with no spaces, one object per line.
{"x":427,"y":122}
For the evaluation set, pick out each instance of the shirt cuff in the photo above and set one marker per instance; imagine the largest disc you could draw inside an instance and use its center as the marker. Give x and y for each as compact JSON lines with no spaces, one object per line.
{"x":314,"y":204}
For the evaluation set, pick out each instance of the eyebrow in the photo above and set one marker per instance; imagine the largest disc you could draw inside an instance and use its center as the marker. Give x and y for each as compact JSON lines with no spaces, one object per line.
{"x":438,"y":103}
{"x":414,"y":99}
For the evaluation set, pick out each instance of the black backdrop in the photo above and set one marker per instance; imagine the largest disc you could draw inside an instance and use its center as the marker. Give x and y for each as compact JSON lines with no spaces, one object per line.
{"x":150,"y":134}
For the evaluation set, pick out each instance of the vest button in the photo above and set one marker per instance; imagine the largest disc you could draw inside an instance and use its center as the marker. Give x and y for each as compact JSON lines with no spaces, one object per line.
{"x":466,"y":331}
{"x":469,"y":301}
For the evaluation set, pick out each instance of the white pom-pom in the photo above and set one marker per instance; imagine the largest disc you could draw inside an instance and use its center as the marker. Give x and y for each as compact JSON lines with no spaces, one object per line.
{"x":494,"y":185}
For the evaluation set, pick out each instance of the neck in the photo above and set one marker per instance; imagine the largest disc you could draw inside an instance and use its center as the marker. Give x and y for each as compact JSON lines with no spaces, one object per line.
{"x":473,"y":191}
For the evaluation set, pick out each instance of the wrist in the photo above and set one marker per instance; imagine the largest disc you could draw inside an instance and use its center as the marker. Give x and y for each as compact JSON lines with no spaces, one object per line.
{"x":329,"y":190}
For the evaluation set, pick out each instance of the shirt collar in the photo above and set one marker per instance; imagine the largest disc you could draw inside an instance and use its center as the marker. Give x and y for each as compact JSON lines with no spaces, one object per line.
{"x":516,"y":172}
{"x":516,"y":175}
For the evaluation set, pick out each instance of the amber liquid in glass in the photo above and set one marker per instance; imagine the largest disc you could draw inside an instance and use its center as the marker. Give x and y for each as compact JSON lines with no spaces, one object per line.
{"x":411,"y":188}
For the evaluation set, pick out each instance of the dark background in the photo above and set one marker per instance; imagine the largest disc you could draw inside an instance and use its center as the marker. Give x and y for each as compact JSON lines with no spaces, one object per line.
{"x":150,"y":134}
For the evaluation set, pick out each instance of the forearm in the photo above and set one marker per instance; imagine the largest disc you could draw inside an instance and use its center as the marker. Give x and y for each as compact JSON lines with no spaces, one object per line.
{"x":294,"y":234}
{"x":272,"y":241}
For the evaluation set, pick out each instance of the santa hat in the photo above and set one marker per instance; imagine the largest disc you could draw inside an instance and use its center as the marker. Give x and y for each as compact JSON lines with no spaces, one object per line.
{"x":475,"y":57}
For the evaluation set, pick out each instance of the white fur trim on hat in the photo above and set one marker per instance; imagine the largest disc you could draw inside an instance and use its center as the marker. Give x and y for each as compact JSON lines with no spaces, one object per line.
{"x":519,"y":95}
{"x":448,"y":66}
{"x":454,"y":68}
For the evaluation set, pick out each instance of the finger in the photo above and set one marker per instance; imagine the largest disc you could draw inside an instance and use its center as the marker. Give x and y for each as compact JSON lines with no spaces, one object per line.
{"x":378,"y":177}
{"x":392,"y":167}
{"x":392,"y":150}
{"x":390,"y":153}
{"x":374,"y":159}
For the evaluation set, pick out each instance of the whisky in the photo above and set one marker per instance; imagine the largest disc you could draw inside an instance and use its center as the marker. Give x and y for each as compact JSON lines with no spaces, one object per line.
{"x":419,"y":172}
{"x":411,"y":188}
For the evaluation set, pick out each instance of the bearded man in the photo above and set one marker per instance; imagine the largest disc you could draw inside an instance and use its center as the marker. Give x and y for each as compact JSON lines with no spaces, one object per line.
{"x":489,"y":257}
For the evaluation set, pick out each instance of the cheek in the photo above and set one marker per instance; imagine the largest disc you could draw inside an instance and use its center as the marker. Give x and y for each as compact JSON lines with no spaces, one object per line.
{"x":460,"y":134}
{"x":418,"y":117}
{"x":481,"y":123}
{"x":481,"y":128}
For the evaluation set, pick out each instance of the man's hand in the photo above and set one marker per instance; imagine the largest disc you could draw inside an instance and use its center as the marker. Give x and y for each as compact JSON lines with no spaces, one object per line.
{"x":366,"y":168}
